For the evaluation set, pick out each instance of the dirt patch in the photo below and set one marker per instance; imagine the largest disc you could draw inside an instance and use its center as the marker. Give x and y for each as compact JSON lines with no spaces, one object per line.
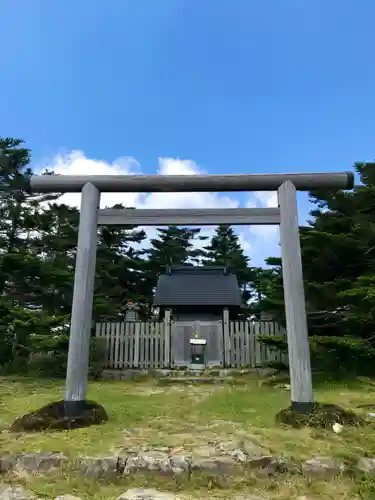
{"x":169,"y":434}
{"x":195,"y":393}
{"x":148,"y":392}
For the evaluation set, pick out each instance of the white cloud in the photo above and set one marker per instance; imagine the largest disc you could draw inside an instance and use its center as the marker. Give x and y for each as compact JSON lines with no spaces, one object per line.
{"x":262,"y":199}
{"x":267,"y":236}
{"x":258,"y":241}
{"x":172,"y":166}
{"x":76,"y":163}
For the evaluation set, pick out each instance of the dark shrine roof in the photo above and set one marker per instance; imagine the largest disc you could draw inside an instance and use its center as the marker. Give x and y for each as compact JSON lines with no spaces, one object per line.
{"x":197,"y":286}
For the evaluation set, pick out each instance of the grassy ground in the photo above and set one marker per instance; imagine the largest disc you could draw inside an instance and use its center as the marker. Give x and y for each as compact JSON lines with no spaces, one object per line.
{"x":144,"y":414}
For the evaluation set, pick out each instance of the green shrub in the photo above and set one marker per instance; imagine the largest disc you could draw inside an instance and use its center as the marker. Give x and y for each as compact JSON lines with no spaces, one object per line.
{"x":98,"y":356}
{"x":277,"y":343}
{"x":51,"y":366}
{"x":16,"y":366}
{"x":336,"y":355}
{"x":343,"y":355}
{"x":277,"y":365}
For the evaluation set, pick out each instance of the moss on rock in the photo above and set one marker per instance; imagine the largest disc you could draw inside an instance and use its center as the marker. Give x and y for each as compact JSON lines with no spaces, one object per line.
{"x":55,"y":417}
{"x":321,"y":416}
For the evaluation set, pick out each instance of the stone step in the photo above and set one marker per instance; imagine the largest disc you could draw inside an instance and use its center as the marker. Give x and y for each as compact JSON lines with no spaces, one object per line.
{"x":197,"y":380}
{"x":178,"y":373}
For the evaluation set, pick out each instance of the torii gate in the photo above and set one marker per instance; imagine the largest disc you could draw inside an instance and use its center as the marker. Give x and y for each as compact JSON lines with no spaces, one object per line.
{"x":286,"y":215}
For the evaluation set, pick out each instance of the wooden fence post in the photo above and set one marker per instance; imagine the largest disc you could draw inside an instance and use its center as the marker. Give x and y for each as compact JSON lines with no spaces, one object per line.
{"x":226,"y":339}
{"x":167,"y":338}
{"x":137,"y":328}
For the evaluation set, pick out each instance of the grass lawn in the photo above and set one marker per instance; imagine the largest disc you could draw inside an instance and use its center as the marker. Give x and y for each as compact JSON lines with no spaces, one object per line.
{"x":145,"y":414}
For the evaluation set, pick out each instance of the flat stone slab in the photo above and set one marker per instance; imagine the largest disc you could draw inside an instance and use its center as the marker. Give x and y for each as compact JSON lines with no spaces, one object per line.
{"x":197,"y":380}
{"x":146,"y":494}
{"x":325,"y":467}
{"x":67,"y":497}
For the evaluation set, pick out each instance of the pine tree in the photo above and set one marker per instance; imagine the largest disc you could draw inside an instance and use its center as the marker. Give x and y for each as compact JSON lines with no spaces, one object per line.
{"x":338,"y":255}
{"x":225,"y":250}
{"x":56,"y":245}
{"x":119,"y":273}
{"x":21,"y":267}
{"x":19,"y":263}
{"x":174,"y":245}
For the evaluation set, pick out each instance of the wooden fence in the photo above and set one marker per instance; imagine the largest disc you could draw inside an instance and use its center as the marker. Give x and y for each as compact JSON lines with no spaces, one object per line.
{"x":160,"y":344}
{"x":136,"y":344}
{"x":242,"y":348}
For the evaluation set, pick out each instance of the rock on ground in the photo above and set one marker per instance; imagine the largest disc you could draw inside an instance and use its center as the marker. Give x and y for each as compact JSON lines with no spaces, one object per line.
{"x":40,"y":462}
{"x":15,"y":493}
{"x":248,"y":497}
{"x":367,"y":465}
{"x":54,"y":416}
{"x":146,"y":494}
{"x":67,"y":497}
{"x":100,"y":467}
{"x":326,"y":467}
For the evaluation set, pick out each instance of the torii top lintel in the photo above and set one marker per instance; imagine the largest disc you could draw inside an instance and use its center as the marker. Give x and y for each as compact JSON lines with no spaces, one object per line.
{"x":186,"y":183}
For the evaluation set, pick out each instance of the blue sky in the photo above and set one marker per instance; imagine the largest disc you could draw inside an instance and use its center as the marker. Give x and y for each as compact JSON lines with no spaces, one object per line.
{"x":233,"y":85}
